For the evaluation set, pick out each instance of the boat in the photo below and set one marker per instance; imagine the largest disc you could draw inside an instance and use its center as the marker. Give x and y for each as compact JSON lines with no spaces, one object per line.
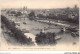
{"x":57,"y":37}
{"x":72,"y":29}
{"x":24,"y":22}
{"x":75,"y":34}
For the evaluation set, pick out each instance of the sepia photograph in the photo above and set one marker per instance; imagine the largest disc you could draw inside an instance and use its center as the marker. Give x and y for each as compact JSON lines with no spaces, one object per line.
{"x":39,"y":25}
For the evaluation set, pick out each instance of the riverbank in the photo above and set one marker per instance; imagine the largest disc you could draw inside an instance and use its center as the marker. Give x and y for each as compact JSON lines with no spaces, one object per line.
{"x":56,"y":22}
{"x":63,"y":24}
{"x":53,"y":22}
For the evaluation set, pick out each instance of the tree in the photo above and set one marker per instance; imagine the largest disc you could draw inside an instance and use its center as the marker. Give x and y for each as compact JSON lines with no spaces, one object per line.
{"x":13,"y":12}
{"x":18,"y":14}
{"x":45,"y":38}
{"x":31,"y":15}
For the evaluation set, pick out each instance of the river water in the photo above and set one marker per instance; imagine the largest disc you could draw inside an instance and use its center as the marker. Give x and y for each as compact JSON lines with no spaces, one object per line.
{"x":35,"y":27}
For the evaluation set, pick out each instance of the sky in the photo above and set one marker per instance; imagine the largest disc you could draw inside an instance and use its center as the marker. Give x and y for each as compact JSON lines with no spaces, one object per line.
{"x":36,"y":4}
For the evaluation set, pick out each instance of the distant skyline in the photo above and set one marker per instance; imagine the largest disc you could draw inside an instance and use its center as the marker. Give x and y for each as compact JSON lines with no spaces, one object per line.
{"x":36,"y":4}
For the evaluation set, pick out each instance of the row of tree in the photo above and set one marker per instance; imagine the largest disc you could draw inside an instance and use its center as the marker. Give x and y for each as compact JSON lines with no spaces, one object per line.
{"x":53,"y":16}
{"x":15,"y":13}
{"x":17,"y":33}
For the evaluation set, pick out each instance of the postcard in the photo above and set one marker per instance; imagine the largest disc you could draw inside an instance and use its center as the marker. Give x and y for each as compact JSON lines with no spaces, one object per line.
{"x":39,"y":25}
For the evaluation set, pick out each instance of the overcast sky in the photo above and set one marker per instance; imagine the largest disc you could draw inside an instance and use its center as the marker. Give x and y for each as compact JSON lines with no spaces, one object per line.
{"x":36,"y":4}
